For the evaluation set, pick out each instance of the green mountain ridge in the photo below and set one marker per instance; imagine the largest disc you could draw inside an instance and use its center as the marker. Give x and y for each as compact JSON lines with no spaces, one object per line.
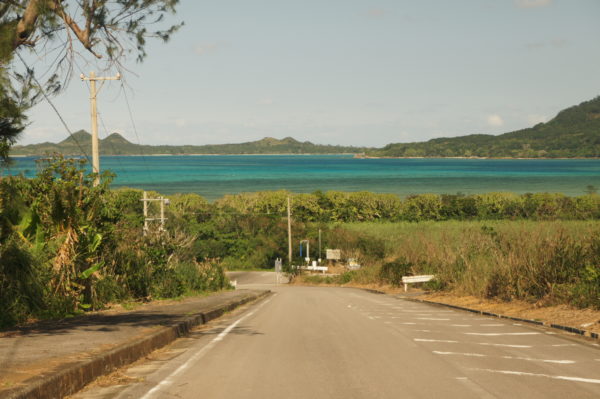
{"x":573,"y":133}
{"x":115,"y":144}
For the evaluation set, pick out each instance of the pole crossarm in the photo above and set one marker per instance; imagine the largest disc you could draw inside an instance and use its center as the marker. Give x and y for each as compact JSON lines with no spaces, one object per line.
{"x":90,"y":78}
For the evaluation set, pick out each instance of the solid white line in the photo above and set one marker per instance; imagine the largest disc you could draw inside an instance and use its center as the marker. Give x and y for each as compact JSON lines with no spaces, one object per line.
{"x":169,"y":379}
{"x":554,"y":377}
{"x":498,"y":334}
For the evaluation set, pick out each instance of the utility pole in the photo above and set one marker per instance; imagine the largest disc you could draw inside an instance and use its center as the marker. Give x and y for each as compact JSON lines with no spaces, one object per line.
{"x":289,"y":214}
{"x":94,"y":113}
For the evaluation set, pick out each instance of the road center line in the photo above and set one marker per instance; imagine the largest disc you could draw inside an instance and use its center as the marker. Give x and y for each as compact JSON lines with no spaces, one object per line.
{"x":169,"y":379}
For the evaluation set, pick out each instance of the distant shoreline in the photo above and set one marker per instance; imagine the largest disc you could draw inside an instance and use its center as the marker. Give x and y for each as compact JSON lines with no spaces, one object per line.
{"x":355,"y":156}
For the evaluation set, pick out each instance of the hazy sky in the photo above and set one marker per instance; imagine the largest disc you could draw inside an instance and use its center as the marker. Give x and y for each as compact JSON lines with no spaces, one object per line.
{"x":355,"y":72}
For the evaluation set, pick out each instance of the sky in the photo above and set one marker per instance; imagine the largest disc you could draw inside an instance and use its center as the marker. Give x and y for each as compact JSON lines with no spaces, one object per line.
{"x":344,"y":72}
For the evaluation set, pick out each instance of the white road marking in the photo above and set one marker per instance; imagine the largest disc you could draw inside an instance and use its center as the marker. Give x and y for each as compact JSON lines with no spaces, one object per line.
{"x":557,"y":345}
{"x":554,"y":377}
{"x":540,"y":360}
{"x":435,"y":340}
{"x":459,"y":354}
{"x":408,"y":323}
{"x":431,"y":318}
{"x":505,"y":345}
{"x":491,"y":325}
{"x":460,"y":325}
{"x":170,"y":378}
{"x":423,"y":330}
{"x":498,"y":334}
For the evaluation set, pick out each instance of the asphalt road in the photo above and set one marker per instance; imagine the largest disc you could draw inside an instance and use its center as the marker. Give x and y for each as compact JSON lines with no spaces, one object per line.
{"x":305,"y":342}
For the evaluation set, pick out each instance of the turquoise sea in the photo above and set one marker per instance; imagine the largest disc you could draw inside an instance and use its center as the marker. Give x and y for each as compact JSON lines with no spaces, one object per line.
{"x":215,"y":176}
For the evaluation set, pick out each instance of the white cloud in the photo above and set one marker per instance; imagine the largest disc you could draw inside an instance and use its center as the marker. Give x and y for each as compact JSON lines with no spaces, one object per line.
{"x":532,"y":3}
{"x":535,"y":119}
{"x":181,"y":122}
{"x":495,"y":120}
{"x":203,"y":49}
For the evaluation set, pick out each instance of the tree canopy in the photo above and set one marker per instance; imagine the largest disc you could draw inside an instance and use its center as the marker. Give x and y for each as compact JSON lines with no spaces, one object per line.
{"x":60,"y":31}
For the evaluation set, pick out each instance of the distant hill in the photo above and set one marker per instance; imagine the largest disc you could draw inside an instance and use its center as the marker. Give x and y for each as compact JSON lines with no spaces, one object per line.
{"x":115,"y":144}
{"x":574,"y":132}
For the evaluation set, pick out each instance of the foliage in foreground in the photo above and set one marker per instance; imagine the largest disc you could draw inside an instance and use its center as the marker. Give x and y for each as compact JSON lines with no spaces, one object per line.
{"x":67,"y":246}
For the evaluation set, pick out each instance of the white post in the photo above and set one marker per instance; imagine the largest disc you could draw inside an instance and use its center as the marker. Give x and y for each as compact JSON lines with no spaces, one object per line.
{"x":162,"y":214}
{"x":145,"y":201}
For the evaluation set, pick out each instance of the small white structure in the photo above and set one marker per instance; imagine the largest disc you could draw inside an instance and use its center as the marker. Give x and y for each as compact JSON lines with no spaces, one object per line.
{"x":416,"y":279}
{"x":333,"y":254}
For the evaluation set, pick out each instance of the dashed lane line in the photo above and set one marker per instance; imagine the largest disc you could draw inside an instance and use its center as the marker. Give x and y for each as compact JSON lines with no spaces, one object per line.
{"x":505,"y":357}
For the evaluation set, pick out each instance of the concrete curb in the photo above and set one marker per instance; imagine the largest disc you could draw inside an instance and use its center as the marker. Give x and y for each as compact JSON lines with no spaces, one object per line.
{"x":74,"y":376}
{"x":572,"y":330}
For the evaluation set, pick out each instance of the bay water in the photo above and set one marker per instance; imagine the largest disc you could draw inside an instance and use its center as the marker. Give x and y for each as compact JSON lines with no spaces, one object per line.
{"x":214,"y":176}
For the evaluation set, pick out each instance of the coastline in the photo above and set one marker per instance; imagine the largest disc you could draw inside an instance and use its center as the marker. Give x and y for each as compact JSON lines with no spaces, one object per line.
{"x":354,"y":155}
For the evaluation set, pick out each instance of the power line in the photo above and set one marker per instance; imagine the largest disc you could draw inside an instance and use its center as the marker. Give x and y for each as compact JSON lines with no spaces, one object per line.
{"x":135,"y":131}
{"x":55,"y":109}
{"x":111,"y":144}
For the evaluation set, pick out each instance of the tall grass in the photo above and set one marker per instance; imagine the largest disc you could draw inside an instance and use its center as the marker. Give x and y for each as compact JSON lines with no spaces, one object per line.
{"x":538,"y":261}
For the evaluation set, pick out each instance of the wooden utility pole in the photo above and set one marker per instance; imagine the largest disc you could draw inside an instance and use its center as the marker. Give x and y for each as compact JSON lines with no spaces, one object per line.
{"x":94,"y":114}
{"x":289,"y":214}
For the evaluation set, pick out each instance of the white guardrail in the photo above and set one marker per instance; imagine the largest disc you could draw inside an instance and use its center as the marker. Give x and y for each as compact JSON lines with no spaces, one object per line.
{"x":416,"y":279}
{"x":322,"y":269}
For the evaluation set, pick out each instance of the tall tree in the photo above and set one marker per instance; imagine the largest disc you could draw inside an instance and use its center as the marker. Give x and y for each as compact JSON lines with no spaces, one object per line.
{"x":107,"y":31}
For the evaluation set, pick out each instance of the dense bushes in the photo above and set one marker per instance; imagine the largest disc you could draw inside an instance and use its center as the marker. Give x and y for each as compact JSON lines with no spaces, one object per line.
{"x":67,"y":246}
{"x":334,"y":206}
{"x":547,"y":262}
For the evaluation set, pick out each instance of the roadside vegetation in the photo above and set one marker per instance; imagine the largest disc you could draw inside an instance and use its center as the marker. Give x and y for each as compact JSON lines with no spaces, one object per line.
{"x":67,"y":247}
